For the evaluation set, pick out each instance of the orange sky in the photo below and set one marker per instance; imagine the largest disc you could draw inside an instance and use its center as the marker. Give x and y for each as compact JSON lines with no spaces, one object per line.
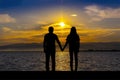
{"x":28,"y":23}
{"x":11,"y":36}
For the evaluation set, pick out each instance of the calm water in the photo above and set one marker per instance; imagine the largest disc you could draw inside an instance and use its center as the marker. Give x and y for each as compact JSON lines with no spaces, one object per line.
{"x":35,"y":61}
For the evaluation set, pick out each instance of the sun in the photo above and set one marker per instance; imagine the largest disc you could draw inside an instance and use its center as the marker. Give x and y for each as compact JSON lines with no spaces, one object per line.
{"x":62,"y":24}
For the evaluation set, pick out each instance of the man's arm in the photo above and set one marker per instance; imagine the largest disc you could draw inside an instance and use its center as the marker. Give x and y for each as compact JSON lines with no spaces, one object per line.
{"x":67,"y":40}
{"x":59,"y":43}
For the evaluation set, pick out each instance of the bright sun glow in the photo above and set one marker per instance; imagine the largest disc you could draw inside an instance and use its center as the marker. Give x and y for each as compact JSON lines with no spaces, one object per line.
{"x":62,"y":24}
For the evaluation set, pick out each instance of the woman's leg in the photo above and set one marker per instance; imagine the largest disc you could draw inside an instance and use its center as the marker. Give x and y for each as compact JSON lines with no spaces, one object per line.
{"x":76,"y":60}
{"x":71,"y":60}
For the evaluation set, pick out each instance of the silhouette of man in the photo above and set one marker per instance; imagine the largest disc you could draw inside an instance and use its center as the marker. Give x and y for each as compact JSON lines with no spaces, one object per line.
{"x":74,"y":43}
{"x":49,"y":48}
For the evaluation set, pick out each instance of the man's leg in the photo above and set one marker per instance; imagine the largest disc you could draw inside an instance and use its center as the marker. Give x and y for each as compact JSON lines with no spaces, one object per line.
{"x":53,"y":61}
{"x":47,"y":61}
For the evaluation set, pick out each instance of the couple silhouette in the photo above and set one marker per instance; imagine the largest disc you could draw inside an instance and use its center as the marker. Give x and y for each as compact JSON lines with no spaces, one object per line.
{"x":50,"y":49}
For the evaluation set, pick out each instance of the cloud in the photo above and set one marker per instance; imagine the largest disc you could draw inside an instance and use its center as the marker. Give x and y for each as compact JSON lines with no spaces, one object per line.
{"x":98,"y":13}
{"x":74,"y":15}
{"x":6,"y":29}
{"x":6,"y":18}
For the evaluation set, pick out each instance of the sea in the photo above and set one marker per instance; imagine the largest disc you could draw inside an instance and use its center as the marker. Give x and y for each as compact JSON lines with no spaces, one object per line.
{"x":35,"y":61}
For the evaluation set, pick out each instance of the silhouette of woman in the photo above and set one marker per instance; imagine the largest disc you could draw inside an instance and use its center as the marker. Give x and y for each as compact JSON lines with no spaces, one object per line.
{"x":74,"y":43}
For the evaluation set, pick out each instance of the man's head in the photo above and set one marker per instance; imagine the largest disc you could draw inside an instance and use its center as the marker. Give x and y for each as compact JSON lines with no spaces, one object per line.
{"x":51,"y":29}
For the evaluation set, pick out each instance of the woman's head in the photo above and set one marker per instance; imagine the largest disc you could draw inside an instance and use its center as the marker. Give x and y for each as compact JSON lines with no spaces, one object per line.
{"x":73,"y":30}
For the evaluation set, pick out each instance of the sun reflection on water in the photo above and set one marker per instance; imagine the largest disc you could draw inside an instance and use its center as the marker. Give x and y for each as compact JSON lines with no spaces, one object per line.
{"x":62,"y":61}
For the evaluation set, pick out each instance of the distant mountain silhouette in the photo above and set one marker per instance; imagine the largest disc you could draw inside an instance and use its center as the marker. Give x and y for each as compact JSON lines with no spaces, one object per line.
{"x":84,"y":46}
{"x":101,"y":46}
{"x":21,"y":46}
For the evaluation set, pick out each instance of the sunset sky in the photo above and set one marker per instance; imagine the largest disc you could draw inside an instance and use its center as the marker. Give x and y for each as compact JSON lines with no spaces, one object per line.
{"x":27,"y":21}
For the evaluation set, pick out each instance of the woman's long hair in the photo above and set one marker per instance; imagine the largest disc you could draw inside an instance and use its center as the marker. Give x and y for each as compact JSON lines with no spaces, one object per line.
{"x":73,"y":31}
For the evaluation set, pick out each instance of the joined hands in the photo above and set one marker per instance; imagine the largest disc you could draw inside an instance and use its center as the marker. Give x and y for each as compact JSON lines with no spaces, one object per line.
{"x":62,"y":49}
